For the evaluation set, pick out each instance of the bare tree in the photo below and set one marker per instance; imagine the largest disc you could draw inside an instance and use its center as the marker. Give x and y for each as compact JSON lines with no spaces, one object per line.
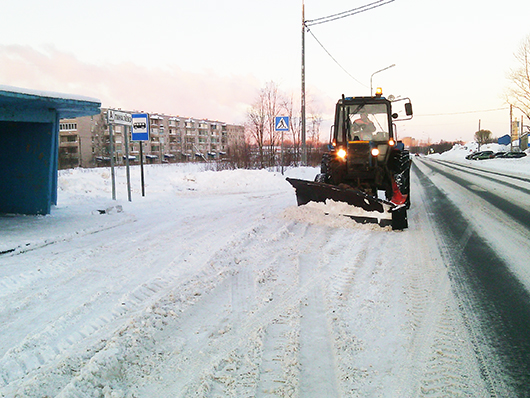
{"x":315,"y":120}
{"x":483,"y":137}
{"x":295,"y":126}
{"x":256,"y":125}
{"x":261,"y":117}
{"x":518,"y":95}
{"x":273,"y":101}
{"x":100,"y":139}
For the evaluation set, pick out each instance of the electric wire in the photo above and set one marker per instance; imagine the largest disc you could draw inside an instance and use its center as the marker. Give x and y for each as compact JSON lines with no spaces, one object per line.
{"x":348,"y":13}
{"x":340,"y":15}
{"x":337,"y":62}
{"x":463,"y":113}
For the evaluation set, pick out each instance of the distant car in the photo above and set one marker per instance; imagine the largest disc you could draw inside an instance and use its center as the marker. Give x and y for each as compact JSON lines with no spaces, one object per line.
{"x":480,"y":155}
{"x":514,"y":155}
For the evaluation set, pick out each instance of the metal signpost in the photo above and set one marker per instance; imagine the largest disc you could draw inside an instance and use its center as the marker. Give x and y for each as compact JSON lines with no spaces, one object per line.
{"x":124,"y":119}
{"x":140,"y":132}
{"x":281,"y":123}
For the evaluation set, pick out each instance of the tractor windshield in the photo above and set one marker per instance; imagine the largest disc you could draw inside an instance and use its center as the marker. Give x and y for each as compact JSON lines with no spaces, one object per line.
{"x":367,"y":122}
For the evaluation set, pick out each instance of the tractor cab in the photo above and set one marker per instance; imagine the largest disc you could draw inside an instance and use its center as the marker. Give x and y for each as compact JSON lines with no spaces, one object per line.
{"x":362,"y":137}
{"x":362,"y":119}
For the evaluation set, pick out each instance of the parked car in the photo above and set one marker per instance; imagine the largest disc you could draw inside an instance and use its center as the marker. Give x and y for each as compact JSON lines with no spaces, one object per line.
{"x":480,"y":155}
{"x":499,"y":155}
{"x":514,"y":155}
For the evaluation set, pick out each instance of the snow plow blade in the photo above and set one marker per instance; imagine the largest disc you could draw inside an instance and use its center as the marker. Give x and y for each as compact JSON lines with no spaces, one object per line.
{"x":309,"y":191}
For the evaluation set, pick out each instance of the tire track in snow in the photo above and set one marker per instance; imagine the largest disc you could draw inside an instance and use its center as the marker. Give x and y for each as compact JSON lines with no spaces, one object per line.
{"x":46,"y":349}
{"x":189,"y":371}
{"x":346,"y":305}
{"x":426,"y":354}
{"x":216,"y":346}
{"x":279,"y":360}
{"x":466,"y":254}
{"x":317,"y":362}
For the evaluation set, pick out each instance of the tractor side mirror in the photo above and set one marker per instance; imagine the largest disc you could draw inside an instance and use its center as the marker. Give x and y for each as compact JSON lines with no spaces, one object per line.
{"x":408,"y":109}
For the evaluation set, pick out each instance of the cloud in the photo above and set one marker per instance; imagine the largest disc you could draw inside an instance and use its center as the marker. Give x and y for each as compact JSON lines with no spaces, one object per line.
{"x":159,"y":89}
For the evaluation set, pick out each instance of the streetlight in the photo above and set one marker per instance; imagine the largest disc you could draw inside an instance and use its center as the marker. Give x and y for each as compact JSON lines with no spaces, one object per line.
{"x":388,"y":67}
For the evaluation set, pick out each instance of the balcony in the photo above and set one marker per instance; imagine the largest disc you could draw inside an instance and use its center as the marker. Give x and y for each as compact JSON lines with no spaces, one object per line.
{"x":69,"y":144}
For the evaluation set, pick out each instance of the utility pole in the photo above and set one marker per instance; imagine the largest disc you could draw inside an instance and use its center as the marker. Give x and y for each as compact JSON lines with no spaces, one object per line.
{"x":305,"y":25}
{"x":304,"y":148}
{"x":511,"y":128}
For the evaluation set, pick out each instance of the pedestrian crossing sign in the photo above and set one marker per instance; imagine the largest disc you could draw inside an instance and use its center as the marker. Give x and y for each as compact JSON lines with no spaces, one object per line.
{"x":281,"y":123}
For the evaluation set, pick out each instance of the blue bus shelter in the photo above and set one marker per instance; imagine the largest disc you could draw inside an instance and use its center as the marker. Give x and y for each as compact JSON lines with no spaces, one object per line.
{"x":29,"y":146}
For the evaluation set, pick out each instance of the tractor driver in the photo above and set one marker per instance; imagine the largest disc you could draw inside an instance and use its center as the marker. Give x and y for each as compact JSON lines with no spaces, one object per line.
{"x":363,"y":127}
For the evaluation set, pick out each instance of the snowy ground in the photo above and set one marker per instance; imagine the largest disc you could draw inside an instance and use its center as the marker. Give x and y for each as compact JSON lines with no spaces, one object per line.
{"x":216,"y":285}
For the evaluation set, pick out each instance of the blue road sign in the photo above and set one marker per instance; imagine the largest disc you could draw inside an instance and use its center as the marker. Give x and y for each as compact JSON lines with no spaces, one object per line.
{"x":281,"y":123}
{"x":140,"y":127}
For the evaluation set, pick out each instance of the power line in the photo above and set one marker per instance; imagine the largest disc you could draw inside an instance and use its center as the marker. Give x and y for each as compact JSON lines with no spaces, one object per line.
{"x":348,"y":13}
{"x":337,"y":62}
{"x":340,"y":15}
{"x":305,"y":25}
{"x":463,"y":113}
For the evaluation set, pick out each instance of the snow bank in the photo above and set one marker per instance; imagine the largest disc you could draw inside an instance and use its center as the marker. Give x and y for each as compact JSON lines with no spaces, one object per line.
{"x":174,"y":178}
{"x":519,"y":166}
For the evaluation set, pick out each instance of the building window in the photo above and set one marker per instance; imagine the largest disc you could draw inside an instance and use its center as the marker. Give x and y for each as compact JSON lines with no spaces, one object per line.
{"x":67,"y":126}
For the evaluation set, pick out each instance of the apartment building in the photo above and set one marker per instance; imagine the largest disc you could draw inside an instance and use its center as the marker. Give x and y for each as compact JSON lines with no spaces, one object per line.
{"x":85,"y":141}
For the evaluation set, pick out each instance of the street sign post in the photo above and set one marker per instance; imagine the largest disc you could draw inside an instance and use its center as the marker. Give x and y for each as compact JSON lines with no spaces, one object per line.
{"x":140,"y":127}
{"x":281,"y":123}
{"x":119,"y":117}
{"x":140,"y":132}
{"x":124,"y":119}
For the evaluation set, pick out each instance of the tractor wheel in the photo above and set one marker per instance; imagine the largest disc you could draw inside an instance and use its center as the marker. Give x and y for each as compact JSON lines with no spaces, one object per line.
{"x":324,"y":175}
{"x":400,"y":166}
{"x":336,"y":173}
{"x":324,"y":164}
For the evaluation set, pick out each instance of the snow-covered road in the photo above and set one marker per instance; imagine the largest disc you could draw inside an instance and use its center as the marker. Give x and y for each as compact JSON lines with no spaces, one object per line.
{"x":484,"y":220}
{"x":216,"y":285}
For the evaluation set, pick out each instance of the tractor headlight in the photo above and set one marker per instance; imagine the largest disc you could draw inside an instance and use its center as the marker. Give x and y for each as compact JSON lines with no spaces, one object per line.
{"x":375,"y":152}
{"x":391,"y":142}
{"x":341,"y":153}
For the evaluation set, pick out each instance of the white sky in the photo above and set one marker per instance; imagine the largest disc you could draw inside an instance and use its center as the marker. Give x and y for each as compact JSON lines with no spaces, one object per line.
{"x":208,"y":59}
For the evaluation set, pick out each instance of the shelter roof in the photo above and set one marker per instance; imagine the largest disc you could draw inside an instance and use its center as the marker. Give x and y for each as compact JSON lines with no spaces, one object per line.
{"x":67,"y":105}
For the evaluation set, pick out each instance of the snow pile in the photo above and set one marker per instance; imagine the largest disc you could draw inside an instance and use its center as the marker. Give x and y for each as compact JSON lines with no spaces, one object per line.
{"x":334,"y":214}
{"x":85,"y":200}
{"x":177,"y":179}
{"x":459,"y":152}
